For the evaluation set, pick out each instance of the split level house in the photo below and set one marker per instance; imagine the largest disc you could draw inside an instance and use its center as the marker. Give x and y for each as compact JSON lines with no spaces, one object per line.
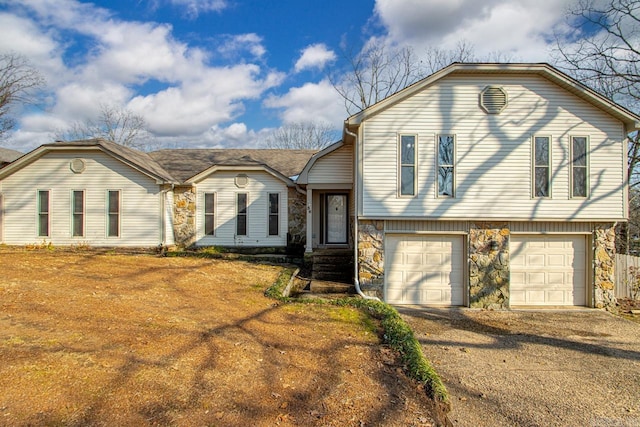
{"x":482,"y":185}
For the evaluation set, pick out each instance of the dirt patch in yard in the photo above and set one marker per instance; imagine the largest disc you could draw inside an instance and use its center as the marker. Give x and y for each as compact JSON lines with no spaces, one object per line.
{"x":101,"y":338}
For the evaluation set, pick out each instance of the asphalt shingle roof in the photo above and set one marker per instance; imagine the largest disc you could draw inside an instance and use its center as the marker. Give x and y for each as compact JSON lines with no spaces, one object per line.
{"x":185,"y":163}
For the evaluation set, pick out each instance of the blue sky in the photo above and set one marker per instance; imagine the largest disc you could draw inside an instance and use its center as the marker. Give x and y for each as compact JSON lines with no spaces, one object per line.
{"x":224,"y":73}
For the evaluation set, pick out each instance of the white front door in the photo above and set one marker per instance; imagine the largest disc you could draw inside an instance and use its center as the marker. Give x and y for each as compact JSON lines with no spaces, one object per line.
{"x":336,"y":218}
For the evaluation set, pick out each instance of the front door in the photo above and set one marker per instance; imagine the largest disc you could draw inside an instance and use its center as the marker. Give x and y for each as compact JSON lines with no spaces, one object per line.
{"x":337,"y":214}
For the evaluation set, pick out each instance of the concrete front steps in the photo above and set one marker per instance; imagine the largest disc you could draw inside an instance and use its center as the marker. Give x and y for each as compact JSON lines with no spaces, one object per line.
{"x":332,"y":265}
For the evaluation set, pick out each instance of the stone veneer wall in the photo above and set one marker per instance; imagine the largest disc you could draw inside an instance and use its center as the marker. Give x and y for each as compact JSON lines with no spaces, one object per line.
{"x":297,"y":211}
{"x":489,"y":265}
{"x":604,"y":247}
{"x":371,"y":257}
{"x":184,"y":213}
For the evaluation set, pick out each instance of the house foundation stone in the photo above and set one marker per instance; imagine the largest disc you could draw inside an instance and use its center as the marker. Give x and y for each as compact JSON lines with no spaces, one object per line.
{"x":489,"y":265}
{"x":184,"y":212}
{"x":604,"y":247}
{"x":371,"y":257}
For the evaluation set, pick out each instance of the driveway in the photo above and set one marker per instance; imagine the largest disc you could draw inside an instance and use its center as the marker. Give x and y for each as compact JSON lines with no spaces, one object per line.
{"x":533,"y":368}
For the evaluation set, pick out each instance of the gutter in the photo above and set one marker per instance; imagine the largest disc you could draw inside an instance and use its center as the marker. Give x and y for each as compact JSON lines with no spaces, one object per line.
{"x":356,"y":281}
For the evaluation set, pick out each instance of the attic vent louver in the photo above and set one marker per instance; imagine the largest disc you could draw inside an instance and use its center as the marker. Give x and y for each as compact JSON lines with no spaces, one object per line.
{"x":493,"y":99}
{"x":77,"y":165}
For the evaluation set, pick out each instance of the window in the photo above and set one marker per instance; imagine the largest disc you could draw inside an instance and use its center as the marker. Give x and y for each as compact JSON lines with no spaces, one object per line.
{"x":113,"y":213}
{"x":210,"y":214}
{"x":407,"y":165}
{"x":579,"y":166}
{"x":77,"y":216}
{"x":274,"y":214}
{"x":542,"y":166}
{"x":43,"y":213}
{"x":446,"y":152}
{"x":241,"y":215}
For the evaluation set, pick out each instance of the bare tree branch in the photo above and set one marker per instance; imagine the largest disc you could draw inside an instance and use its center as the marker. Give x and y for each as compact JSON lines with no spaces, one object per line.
{"x":19,"y":82}
{"x":302,"y":136}
{"x":114,"y":124}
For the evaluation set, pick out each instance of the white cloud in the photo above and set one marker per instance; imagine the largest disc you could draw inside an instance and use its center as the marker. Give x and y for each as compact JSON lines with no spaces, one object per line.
{"x":315,"y":56}
{"x":518,"y":27}
{"x":183,"y":93}
{"x":312,"y":101}
{"x":233,"y":45}
{"x":193,"y":8}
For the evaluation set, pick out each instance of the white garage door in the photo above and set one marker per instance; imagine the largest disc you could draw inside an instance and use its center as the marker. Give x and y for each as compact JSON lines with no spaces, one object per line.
{"x":424,"y":270}
{"x":548,"y":270}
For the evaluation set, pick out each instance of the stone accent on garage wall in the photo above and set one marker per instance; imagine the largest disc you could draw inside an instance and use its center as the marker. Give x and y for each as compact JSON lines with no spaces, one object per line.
{"x":489,"y":265}
{"x":604,"y":247}
{"x":371,"y":257}
{"x":297,"y":212}
{"x":184,"y":212}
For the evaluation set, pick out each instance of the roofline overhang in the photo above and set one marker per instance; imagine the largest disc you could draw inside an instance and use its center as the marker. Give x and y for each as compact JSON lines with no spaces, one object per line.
{"x":253,"y":167}
{"x":35,"y":154}
{"x":630,"y":119}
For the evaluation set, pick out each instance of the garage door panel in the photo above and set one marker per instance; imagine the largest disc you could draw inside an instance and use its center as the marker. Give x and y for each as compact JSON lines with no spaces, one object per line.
{"x":433,"y":275}
{"x":548,"y":270}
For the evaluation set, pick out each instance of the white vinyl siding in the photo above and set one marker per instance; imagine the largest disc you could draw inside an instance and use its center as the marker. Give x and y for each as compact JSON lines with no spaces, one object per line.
{"x":493,"y":169}
{"x":258,"y":187}
{"x":334,"y":168}
{"x":140,"y":201}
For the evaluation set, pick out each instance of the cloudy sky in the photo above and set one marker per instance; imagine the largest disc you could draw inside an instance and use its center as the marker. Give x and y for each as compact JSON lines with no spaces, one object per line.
{"x":222,"y":73}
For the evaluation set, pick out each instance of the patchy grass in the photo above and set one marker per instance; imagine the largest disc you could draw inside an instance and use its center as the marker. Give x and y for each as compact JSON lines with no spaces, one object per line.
{"x":100,"y":338}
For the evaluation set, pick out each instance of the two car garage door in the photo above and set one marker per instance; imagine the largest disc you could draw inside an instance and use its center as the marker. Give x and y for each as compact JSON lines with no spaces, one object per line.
{"x":429,"y":269}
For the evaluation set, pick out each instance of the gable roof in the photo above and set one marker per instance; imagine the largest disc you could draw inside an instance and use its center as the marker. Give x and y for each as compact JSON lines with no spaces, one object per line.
{"x":187,"y":163}
{"x":630,"y":119}
{"x":134,"y":158}
{"x":303,"y":178}
{"x":8,"y":156}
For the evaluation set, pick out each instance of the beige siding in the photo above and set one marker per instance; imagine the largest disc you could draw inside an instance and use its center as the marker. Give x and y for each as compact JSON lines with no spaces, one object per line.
{"x":259,"y":186}
{"x":140,"y":201}
{"x":334,"y":168}
{"x":169,"y":238}
{"x":493,"y":154}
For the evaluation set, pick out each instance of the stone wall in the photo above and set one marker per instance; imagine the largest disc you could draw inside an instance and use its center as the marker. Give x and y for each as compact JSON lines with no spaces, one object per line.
{"x":184,"y":214}
{"x":297,"y":211}
{"x":489,"y":265}
{"x":371,"y":257}
{"x":604,"y":250}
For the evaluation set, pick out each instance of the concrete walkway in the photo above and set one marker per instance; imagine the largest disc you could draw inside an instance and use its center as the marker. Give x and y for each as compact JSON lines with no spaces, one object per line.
{"x":533,"y":368}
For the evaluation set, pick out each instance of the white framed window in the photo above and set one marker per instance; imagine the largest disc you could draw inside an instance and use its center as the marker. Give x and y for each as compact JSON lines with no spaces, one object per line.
{"x":113,"y":213}
{"x":242,"y":207}
{"x":43,"y":213}
{"x":541,"y":166}
{"x":407,"y":165}
{"x":445,"y":158}
{"x":579,"y":167}
{"x":274,"y":214}
{"x":209,"y":214}
{"x":77,"y":213}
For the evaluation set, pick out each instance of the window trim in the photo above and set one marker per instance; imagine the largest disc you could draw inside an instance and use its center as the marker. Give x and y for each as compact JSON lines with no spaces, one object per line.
{"x":82,"y":213}
{"x":586,"y":167}
{"x":452,"y":166}
{"x":213,"y":214}
{"x":109,"y":213}
{"x":277,"y":214}
{"x":246,"y":214}
{"x":39,"y":213}
{"x":401,"y":165}
{"x":548,"y":166}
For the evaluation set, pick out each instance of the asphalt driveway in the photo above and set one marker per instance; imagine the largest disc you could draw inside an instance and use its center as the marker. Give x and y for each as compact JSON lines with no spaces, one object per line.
{"x":533,"y":368}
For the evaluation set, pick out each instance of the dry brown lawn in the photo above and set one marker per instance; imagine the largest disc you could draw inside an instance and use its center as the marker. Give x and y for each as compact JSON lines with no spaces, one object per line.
{"x":101,"y":338}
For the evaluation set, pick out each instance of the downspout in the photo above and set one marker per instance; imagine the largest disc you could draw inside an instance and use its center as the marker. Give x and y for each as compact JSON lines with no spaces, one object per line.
{"x":356,"y":280}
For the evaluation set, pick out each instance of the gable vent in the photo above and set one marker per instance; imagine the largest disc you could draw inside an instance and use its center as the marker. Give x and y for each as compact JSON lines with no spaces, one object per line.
{"x":493,"y":99}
